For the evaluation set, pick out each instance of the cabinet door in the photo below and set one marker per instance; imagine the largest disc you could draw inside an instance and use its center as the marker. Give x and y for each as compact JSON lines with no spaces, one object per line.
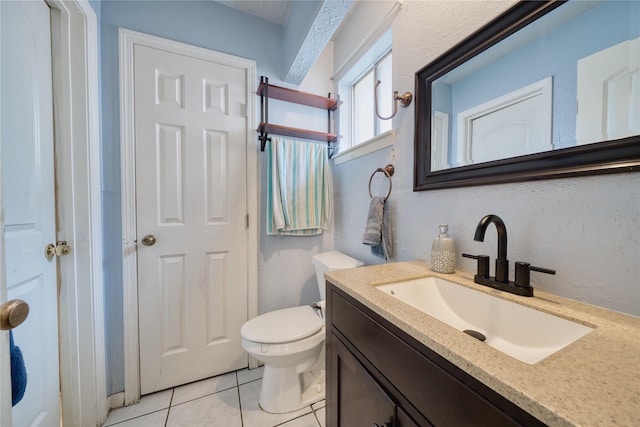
{"x":360,"y":400}
{"x":403,"y":420}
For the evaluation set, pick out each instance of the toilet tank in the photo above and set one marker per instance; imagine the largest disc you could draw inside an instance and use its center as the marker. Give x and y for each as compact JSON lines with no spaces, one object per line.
{"x":331,"y":261}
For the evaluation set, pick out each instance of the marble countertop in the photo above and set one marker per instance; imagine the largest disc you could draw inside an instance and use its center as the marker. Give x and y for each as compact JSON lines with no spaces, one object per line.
{"x":594,"y":381}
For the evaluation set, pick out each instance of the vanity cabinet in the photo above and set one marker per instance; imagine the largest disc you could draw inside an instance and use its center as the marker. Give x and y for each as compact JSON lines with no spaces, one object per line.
{"x":379,"y":375}
{"x":362,"y":401}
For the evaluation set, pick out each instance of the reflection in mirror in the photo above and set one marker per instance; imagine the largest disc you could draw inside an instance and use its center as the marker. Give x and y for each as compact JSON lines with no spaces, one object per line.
{"x":576,"y":68}
{"x":548,"y":89}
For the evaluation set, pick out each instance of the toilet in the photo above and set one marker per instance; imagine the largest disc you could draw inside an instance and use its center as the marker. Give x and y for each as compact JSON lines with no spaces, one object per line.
{"x":290,"y":343}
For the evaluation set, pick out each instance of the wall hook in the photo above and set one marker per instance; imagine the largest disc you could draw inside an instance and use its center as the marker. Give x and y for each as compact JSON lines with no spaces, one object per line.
{"x":405,"y":101}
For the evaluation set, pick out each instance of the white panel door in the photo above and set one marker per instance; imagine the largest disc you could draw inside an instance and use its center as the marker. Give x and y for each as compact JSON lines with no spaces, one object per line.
{"x":190,"y":131}
{"x":508,"y":132}
{"x":608,"y":92}
{"x":28,"y":191}
{"x":511,"y":125}
{"x":439,"y":141}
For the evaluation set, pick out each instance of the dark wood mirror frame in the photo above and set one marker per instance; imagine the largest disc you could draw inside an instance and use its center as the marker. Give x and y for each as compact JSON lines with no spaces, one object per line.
{"x":620,"y":155}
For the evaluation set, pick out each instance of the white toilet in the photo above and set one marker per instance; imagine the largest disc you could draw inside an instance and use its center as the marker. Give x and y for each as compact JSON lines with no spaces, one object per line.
{"x":290,"y":343}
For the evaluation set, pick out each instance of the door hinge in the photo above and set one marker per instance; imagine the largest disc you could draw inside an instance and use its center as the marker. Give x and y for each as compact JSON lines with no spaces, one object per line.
{"x":246,"y":223}
{"x":60,"y":249}
{"x":243,"y":110}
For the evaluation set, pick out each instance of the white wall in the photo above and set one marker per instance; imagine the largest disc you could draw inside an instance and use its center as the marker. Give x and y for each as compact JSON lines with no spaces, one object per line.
{"x":587,"y":228}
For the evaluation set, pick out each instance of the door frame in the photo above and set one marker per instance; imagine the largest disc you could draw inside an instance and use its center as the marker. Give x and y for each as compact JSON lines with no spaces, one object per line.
{"x":128,"y":40}
{"x":74,"y":32}
{"x":79,"y":208}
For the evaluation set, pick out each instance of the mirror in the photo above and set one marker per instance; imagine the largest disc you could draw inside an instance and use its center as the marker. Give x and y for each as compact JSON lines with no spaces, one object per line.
{"x":546,"y":90}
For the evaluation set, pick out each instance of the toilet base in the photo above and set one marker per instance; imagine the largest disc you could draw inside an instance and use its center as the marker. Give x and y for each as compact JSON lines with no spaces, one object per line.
{"x":286,"y":390}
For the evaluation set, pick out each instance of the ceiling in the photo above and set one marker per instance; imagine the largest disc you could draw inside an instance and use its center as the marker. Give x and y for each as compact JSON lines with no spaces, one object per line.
{"x":314,"y":22}
{"x":275,"y":11}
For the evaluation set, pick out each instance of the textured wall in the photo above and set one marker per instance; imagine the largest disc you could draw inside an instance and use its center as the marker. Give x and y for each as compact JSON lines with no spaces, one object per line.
{"x":286,"y":275}
{"x":587,"y":228}
{"x":206,"y":24}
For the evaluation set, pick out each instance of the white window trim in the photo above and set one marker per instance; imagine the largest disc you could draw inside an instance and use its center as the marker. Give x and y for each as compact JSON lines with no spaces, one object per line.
{"x":345,"y":87}
{"x":378,"y":142}
{"x":371,"y":68}
{"x":346,"y":68}
{"x":376,"y":33}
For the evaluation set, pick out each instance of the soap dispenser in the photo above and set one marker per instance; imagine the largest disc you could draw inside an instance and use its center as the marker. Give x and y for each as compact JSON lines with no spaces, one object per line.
{"x":443,"y":252}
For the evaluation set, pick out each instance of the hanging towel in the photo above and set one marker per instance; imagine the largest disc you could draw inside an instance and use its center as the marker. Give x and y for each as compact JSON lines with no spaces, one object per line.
{"x":377,"y":231}
{"x":299,"y":192}
{"x":18,"y":372}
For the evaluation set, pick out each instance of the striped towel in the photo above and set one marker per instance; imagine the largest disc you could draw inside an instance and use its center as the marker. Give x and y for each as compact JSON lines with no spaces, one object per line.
{"x":299,"y":193}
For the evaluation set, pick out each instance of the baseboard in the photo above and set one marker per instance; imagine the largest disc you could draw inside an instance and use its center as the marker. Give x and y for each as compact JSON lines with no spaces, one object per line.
{"x":115,"y":400}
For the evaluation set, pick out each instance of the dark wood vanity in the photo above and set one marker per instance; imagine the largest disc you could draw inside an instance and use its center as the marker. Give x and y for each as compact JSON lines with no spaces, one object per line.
{"x":378,"y":375}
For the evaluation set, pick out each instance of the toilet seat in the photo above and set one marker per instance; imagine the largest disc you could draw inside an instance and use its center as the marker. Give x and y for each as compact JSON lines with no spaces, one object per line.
{"x":282,"y":326}
{"x":291,"y":344}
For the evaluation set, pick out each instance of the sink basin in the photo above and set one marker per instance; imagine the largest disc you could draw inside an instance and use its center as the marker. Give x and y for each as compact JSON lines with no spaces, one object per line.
{"x":521,"y":332}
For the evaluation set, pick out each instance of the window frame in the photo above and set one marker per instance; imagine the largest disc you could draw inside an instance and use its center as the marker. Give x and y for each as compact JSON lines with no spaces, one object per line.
{"x":368,"y":54}
{"x":373,"y":66}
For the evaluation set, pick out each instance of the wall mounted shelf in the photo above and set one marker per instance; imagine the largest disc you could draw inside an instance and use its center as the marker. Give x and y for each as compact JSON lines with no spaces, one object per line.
{"x":268,"y":91}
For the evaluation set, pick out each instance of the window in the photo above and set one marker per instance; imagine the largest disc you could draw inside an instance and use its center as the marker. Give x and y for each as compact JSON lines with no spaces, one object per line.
{"x":364,"y":122}
{"x":356,"y":83}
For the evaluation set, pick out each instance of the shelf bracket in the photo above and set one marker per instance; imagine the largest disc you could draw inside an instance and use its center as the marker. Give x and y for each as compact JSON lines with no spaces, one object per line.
{"x":330,"y":103}
{"x":264,"y":113}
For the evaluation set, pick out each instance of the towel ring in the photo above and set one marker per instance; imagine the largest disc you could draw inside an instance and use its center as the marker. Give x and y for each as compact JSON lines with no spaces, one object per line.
{"x":388,"y":171}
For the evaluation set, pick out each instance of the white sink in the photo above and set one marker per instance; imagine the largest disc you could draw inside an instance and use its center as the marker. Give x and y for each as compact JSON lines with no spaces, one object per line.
{"x":523,"y":333}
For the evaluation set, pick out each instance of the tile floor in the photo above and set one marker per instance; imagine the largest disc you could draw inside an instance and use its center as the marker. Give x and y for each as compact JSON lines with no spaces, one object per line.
{"x":229,"y":400}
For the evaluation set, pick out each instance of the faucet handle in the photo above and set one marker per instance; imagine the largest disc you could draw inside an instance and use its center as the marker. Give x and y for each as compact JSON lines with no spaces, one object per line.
{"x":483,"y":264}
{"x":523,"y":276}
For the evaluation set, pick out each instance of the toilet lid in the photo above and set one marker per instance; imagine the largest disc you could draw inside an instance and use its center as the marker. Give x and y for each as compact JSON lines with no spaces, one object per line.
{"x":280,"y":326}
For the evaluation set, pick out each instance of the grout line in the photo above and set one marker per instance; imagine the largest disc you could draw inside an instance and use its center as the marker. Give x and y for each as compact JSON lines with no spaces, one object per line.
{"x":133,"y":418}
{"x":173,"y":391}
{"x":299,"y":416}
{"x":315,"y":414}
{"x":240,"y":403}
{"x":166,"y":420}
{"x":239,"y":400}
{"x":204,"y":395}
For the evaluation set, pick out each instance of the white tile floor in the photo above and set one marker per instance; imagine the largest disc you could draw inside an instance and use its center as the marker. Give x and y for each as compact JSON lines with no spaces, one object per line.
{"x":227,"y":400}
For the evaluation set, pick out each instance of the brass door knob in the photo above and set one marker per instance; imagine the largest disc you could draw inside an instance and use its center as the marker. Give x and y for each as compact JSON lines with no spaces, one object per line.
{"x":59,"y":249}
{"x":13,"y":313}
{"x":149,"y":240}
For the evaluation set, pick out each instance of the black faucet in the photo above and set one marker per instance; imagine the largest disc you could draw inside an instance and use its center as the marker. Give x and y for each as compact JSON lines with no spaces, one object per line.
{"x":521,"y":286}
{"x":502,"y":263}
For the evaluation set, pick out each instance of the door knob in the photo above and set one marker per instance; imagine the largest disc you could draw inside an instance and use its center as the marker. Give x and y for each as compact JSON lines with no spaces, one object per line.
{"x":13,"y":313}
{"x":149,"y":240}
{"x":59,"y":249}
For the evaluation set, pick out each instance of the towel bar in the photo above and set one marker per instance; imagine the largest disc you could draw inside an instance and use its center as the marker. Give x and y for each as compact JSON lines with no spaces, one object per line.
{"x":388,"y":172}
